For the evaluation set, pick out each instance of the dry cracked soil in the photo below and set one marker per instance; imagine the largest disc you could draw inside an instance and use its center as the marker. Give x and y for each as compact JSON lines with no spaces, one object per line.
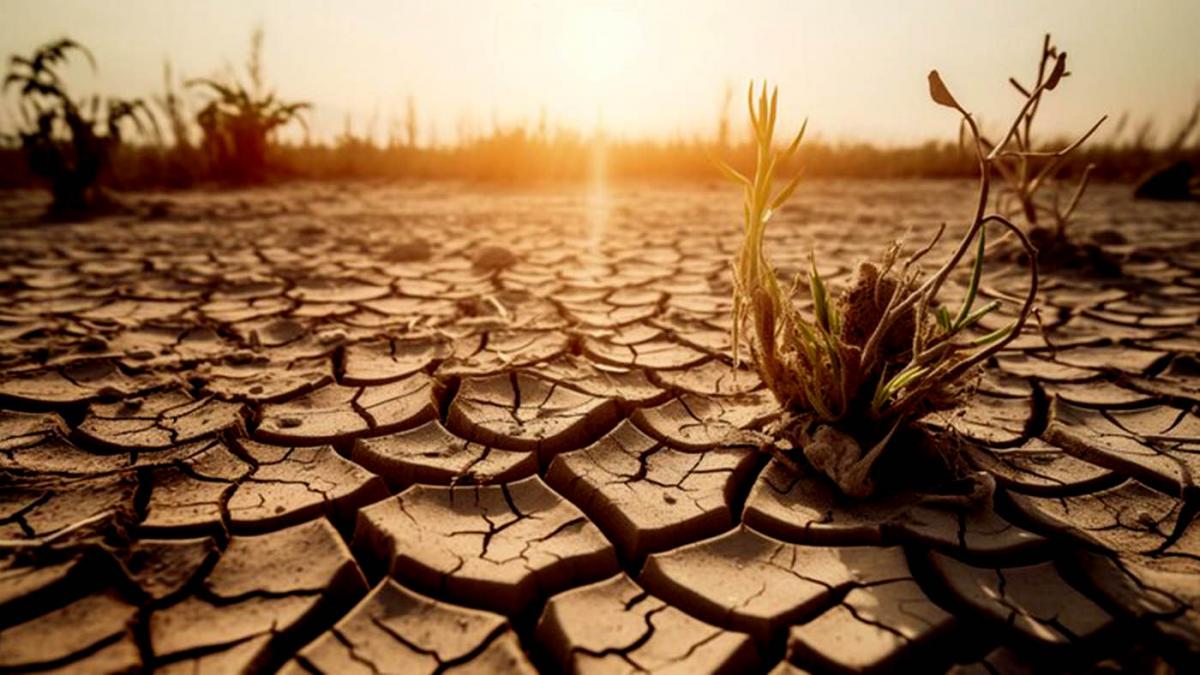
{"x":369,"y":429}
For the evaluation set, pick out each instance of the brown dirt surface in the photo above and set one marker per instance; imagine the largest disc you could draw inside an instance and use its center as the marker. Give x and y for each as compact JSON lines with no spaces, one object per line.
{"x":329,"y":428}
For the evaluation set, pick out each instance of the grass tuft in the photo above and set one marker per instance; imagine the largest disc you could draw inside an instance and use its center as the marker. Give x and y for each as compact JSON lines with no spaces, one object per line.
{"x":882,"y":353}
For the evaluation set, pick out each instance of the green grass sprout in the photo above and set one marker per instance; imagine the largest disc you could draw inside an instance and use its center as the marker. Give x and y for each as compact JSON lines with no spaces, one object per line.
{"x":882,"y":353}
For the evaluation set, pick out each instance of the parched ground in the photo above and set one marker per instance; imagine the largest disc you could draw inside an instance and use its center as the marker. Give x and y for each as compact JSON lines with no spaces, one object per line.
{"x":342,"y":429}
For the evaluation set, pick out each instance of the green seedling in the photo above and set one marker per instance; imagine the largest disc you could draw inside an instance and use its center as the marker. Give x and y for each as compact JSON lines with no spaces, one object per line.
{"x":69,"y":143}
{"x":882,"y":353}
{"x":239,"y":120}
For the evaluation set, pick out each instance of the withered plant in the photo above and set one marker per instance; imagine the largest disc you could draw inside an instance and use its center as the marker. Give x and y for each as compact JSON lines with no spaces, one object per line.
{"x":69,"y":143}
{"x":882,"y":353}
{"x":180,"y":162}
{"x":1032,"y":189}
{"x":240,"y":119}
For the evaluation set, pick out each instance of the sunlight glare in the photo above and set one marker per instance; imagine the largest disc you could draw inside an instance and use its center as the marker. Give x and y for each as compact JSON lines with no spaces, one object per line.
{"x":597,"y":204}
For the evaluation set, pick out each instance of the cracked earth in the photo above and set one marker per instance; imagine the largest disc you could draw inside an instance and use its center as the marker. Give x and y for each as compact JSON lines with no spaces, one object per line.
{"x":352,"y":429}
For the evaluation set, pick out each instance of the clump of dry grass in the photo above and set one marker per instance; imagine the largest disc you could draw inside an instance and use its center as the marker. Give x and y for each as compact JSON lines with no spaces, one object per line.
{"x":883,"y":352}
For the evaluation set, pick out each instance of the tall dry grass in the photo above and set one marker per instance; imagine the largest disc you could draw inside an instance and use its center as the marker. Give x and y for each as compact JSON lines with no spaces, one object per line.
{"x":542,"y":151}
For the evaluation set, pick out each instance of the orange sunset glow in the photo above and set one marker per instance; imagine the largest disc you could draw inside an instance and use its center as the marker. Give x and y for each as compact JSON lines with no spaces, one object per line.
{"x":578,"y":337}
{"x":640,"y":69}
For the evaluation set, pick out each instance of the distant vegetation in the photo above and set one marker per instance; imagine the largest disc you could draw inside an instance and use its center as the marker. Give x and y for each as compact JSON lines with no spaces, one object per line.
{"x":225,"y":129}
{"x":69,"y":143}
{"x":239,"y":120}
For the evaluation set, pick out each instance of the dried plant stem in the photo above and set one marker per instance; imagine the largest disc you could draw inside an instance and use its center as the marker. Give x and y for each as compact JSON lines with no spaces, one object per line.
{"x":1023,"y":180}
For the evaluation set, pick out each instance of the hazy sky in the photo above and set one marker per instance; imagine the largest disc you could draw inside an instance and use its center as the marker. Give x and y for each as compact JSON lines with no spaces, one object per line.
{"x":857,"y":69}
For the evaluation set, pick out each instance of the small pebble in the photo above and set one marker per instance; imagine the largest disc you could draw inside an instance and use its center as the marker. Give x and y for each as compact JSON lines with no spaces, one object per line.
{"x":1145,"y":519}
{"x":493,"y":258}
